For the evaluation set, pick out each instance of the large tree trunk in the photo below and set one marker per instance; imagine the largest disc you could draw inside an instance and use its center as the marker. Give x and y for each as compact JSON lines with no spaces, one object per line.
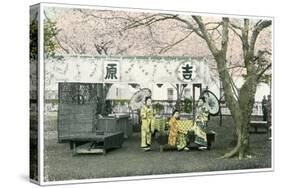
{"x":242,"y":131}
{"x":240,"y":108}
{"x":242,"y":144}
{"x":242,"y":116}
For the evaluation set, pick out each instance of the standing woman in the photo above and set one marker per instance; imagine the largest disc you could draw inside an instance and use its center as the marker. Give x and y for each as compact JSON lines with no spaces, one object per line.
{"x":147,"y":119}
{"x":201,"y":119}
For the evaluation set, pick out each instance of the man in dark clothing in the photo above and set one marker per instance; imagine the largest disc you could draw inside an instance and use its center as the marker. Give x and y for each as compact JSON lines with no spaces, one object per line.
{"x":264,"y":108}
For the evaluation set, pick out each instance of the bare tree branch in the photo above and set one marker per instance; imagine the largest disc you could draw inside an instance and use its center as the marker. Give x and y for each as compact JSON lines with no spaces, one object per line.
{"x":235,"y":26}
{"x":190,"y":26}
{"x":206,"y":36}
{"x":216,"y":27}
{"x":245,"y":43}
{"x":166,"y":48}
{"x":258,"y":22}
{"x":256,"y":31}
{"x":235,"y":32}
{"x":236,"y":66}
{"x":148,"y":20}
{"x":249,"y":44}
{"x":84,"y":12}
{"x":103,"y":47}
{"x":263,"y":71}
{"x":224,"y":41}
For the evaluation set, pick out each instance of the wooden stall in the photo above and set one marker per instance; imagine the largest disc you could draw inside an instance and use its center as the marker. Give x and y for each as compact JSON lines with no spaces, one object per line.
{"x":78,"y":121}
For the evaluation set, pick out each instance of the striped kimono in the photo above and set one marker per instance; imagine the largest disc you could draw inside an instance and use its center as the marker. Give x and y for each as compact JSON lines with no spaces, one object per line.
{"x":200,"y":126}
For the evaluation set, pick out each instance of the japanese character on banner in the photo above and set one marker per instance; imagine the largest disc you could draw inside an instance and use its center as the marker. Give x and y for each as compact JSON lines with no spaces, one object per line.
{"x":111,"y":71}
{"x":186,"y":71}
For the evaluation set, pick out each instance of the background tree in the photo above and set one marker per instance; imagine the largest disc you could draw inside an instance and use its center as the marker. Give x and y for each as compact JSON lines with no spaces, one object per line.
{"x":50,"y":33}
{"x":179,"y":91}
{"x":33,"y":37}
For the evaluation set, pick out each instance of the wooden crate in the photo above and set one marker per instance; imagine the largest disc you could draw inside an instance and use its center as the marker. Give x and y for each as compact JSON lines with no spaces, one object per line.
{"x":115,"y":124}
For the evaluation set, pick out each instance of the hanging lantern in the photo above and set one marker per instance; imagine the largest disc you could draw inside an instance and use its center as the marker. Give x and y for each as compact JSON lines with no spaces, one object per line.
{"x":159,"y":85}
{"x":134,"y":85}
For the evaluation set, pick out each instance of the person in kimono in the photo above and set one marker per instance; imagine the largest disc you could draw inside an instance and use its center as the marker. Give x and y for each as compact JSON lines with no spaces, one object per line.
{"x":200,"y":126}
{"x":175,"y":138}
{"x":147,"y":120}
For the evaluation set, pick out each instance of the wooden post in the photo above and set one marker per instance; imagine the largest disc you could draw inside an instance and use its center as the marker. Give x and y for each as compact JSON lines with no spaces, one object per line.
{"x":161,"y":148}
{"x":74,"y":149}
{"x":193,"y":97}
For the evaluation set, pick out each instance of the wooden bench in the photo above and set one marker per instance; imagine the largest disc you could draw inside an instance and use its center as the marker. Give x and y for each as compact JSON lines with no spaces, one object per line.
{"x":162,"y":140}
{"x":184,"y":127}
{"x":258,"y":124}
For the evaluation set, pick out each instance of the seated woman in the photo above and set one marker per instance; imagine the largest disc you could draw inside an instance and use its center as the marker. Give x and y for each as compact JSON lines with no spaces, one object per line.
{"x":175,"y":138}
{"x":200,"y":126}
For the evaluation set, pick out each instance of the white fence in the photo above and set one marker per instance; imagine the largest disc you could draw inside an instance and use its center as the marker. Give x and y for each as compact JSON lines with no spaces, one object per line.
{"x":257,"y":109}
{"x":168,"y":108}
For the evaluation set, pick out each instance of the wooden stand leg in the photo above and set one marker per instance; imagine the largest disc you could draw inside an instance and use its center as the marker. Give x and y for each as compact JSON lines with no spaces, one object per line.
{"x":71,"y":145}
{"x":74,"y":148}
{"x":161,"y":148}
{"x":209,"y":145}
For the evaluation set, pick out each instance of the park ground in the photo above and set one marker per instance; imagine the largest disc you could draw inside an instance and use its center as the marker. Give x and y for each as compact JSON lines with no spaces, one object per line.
{"x":130,"y":160}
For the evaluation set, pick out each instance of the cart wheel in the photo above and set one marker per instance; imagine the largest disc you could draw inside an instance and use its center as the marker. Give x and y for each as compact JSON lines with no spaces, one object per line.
{"x":212,"y":102}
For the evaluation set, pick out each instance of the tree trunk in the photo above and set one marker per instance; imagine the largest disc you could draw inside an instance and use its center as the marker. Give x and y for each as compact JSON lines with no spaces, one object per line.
{"x":243,"y":138}
{"x":243,"y":116}
{"x":242,"y":145}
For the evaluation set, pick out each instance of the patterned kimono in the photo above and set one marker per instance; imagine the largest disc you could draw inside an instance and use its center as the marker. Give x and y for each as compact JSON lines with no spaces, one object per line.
{"x":200,"y":127}
{"x":172,"y":131}
{"x":147,"y":120}
{"x":175,"y":137}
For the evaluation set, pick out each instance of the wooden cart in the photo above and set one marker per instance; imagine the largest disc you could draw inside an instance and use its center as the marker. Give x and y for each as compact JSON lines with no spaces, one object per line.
{"x":78,"y":122}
